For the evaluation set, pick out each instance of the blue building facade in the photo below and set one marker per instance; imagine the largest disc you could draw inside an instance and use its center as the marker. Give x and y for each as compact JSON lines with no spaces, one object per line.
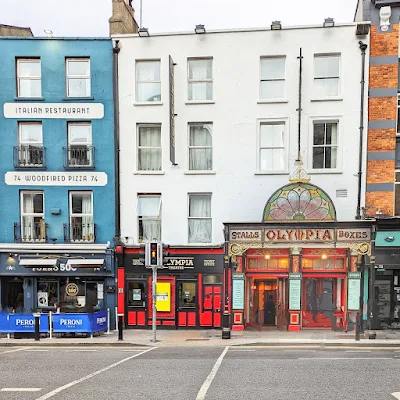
{"x":58,"y":183}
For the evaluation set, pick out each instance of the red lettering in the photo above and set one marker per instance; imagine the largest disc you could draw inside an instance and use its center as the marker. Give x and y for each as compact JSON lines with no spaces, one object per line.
{"x":270,"y":235}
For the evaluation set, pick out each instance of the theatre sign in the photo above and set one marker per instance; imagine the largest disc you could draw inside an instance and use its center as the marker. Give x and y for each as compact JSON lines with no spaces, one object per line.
{"x":312,"y":235}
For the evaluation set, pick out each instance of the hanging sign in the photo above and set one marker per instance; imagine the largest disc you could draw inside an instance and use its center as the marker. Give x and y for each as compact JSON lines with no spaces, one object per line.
{"x":353,"y":291}
{"x":54,"y":110}
{"x":237,"y":291}
{"x":294,"y":291}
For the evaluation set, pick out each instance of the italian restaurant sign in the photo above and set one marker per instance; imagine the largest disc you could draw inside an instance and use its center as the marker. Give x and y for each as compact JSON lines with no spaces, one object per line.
{"x":38,"y":178}
{"x":54,"y":110}
{"x":279,"y":235}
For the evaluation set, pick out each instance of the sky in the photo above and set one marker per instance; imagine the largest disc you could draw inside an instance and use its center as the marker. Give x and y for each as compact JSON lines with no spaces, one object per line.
{"x":90,"y":17}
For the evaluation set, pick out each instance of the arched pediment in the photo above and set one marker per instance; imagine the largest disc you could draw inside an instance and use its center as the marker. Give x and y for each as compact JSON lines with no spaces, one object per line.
{"x":299,"y":201}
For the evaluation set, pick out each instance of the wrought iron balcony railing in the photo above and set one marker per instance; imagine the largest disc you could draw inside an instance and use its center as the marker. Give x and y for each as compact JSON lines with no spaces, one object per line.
{"x":28,"y":156}
{"x":35,"y":231}
{"x":80,"y":232}
{"x":79,"y":157}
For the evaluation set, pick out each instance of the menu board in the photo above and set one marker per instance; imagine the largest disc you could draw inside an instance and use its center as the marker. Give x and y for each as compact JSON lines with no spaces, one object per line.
{"x":353,"y":291}
{"x":238,"y":291}
{"x":294,"y":291}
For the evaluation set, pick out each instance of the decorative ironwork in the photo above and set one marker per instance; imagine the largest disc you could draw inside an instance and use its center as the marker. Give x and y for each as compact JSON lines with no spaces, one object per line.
{"x":363,"y":248}
{"x":299,"y":201}
{"x":29,"y":156}
{"x":299,"y":174}
{"x":329,"y":252}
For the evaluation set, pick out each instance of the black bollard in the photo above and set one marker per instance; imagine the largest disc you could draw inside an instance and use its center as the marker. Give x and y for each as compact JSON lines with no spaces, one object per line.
{"x":37,"y":330}
{"x":358,"y":327}
{"x":120,"y":328}
{"x":226,"y":329}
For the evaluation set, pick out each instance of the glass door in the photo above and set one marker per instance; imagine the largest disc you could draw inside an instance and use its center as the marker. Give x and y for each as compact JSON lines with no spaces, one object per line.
{"x":187,"y":303}
{"x":136,"y":292}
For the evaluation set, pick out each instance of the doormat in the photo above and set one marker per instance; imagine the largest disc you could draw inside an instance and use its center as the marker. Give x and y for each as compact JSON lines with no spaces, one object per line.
{"x":195,"y":340}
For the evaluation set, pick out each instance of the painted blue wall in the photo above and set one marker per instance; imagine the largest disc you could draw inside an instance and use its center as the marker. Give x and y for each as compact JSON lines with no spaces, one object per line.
{"x":52,"y":52}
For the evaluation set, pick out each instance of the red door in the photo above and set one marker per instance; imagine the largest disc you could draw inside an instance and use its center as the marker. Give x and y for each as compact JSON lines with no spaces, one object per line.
{"x":211,"y":308}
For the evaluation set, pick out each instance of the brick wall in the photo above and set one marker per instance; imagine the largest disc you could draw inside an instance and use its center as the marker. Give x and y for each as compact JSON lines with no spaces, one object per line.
{"x":382,"y":76}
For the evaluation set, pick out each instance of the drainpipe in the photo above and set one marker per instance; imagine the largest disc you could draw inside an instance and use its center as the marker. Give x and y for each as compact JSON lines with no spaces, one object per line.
{"x":363,"y":47}
{"x":116,"y":50}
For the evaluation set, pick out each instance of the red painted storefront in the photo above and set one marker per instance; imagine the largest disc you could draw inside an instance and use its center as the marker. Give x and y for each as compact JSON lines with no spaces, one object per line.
{"x":189,"y":288}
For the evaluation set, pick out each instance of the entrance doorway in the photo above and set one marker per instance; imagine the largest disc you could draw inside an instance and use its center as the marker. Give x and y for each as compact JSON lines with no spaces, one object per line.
{"x":12,"y":295}
{"x":263,"y":307}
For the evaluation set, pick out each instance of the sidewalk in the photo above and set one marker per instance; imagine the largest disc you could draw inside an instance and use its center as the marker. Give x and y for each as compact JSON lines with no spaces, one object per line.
{"x":143,"y":337}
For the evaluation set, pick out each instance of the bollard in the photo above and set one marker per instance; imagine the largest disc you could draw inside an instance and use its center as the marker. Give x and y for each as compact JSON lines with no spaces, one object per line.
{"x":37,"y":331}
{"x":120,"y":327}
{"x":358,"y":327}
{"x":226,"y":329}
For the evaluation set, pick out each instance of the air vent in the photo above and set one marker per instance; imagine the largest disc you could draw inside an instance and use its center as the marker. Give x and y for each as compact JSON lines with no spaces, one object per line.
{"x":341,"y":192}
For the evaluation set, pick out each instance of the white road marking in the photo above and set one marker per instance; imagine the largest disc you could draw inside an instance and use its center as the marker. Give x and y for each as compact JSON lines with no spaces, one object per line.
{"x":397,"y":395}
{"x":345,"y":358}
{"x":358,"y":351}
{"x":207,"y":383}
{"x":20,"y":389}
{"x":241,"y":350}
{"x":36,"y":350}
{"x":80,"y":380}
{"x":83,"y":350}
{"x":11,"y":351}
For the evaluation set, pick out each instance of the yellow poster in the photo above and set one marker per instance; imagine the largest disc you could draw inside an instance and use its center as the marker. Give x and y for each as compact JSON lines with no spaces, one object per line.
{"x":163,"y":296}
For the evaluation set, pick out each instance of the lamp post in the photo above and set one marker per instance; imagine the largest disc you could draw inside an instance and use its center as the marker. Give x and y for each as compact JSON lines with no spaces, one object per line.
{"x":226,"y":326}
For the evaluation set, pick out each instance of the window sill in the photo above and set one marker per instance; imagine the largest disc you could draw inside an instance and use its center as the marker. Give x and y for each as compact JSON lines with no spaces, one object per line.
{"x":272,"y":101}
{"x":148,"y":103}
{"x":206,"y":172}
{"x":33,"y":99}
{"x":325,"y":171}
{"x":327,"y":99}
{"x":77,"y":98}
{"x":271,"y":173}
{"x":148,"y":172}
{"x":191,"y":102}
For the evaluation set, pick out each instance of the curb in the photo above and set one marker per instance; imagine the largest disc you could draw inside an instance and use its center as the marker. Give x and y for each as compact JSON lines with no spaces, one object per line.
{"x":69,"y":344}
{"x":321,"y":345}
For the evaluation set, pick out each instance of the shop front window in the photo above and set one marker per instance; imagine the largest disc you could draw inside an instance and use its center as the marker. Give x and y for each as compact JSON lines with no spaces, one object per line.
{"x":47,"y":293}
{"x":187,"y":294}
{"x":324,"y":264}
{"x":136,"y":294}
{"x":268,"y":263}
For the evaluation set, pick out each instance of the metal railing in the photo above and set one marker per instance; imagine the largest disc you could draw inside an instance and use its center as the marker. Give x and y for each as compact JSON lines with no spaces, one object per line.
{"x":80,"y":233}
{"x":78,"y":157}
{"x":30,"y":232}
{"x":28,"y":156}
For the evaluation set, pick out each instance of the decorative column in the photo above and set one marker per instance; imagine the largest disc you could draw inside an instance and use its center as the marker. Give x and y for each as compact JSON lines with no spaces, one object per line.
{"x":295,"y":282}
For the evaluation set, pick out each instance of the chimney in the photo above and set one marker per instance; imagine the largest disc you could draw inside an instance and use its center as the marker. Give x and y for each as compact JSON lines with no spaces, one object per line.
{"x":122,"y":20}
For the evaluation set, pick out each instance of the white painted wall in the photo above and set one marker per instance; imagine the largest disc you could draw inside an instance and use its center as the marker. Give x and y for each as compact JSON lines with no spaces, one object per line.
{"x":238,"y":193}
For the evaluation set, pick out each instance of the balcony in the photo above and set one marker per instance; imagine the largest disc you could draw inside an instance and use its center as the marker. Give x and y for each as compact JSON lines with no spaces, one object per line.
{"x":78,"y":232}
{"x":79,"y":157}
{"x":28,"y":156}
{"x":30,"y":232}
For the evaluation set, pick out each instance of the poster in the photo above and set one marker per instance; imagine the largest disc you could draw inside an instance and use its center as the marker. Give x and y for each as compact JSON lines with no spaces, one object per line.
{"x":163,"y":295}
{"x":43,"y":299}
{"x":137,"y":294}
{"x":353,"y":291}
{"x":237,"y":291}
{"x":294,"y":291}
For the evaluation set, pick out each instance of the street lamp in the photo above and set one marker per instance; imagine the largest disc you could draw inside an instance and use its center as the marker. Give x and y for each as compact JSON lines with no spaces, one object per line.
{"x":329,"y":23}
{"x":143,"y":32}
{"x":200,"y":29}
{"x":276,"y":26}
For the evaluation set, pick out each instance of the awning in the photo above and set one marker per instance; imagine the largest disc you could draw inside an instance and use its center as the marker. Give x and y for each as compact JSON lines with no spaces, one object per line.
{"x":387,"y":239}
{"x":86,"y":263}
{"x":34,"y":262}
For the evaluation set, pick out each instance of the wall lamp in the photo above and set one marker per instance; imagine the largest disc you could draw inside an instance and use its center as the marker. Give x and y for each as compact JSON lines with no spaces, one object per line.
{"x":324,"y":256}
{"x":143,"y":32}
{"x":200,"y":29}
{"x":276,"y":26}
{"x":267,"y":256}
{"x":329,"y":23}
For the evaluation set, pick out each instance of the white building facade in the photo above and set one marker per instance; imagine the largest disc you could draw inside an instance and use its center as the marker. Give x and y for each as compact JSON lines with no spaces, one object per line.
{"x":209,"y":131}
